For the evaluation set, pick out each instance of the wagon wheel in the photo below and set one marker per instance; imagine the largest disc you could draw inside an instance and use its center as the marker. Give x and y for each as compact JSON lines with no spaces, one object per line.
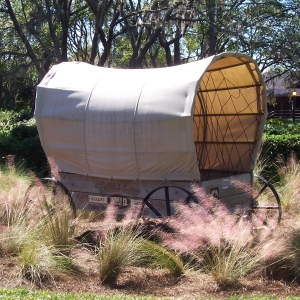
{"x":189,"y":196}
{"x":52,"y":192}
{"x":266,"y":198}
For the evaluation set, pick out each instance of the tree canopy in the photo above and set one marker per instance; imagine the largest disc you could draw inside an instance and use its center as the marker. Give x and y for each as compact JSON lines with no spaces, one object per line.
{"x":35,"y":34}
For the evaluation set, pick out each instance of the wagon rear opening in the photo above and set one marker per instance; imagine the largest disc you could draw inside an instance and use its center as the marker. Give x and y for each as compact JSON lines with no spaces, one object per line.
{"x":142,"y":137}
{"x":229,"y":115}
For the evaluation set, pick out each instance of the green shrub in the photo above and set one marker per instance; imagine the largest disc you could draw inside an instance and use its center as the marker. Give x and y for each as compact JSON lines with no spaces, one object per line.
{"x":281,"y":127}
{"x":19,"y":137}
{"x":281,"y":138}
{"x":283,"y":145}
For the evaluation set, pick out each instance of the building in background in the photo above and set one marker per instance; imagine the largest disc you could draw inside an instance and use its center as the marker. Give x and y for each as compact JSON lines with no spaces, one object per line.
{"x":283,"y":100}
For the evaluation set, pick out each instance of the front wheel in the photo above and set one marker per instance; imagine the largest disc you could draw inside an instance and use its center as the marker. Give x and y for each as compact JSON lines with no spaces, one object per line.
{"x":49,"y":192}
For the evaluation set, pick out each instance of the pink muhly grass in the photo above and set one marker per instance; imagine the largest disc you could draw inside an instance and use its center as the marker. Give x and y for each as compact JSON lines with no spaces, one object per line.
{"x":226,"y":245}
{"x":209,"y":222}
{"x":243,"y":187}
{"x":113,"y":221}
{"x":131,"y":216}
{"x":53,"y":168}
{"x":110,"y":219}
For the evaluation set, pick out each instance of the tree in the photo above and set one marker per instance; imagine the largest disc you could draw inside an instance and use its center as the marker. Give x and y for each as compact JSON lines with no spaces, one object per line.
{"x":35,"y":34}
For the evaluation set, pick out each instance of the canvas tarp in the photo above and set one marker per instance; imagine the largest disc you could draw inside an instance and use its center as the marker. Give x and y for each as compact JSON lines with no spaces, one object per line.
{"x":123,"y":124}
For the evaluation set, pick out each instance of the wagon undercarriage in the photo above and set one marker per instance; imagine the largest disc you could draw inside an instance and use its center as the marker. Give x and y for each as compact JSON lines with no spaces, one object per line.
{"x":94,"y":194}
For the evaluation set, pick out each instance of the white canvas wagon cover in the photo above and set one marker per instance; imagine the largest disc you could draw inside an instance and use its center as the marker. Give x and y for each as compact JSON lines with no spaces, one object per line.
{"x":142,"y":124}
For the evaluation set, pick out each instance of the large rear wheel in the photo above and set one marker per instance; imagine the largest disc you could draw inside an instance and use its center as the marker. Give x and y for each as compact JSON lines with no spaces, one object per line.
{"x":265,"y":199}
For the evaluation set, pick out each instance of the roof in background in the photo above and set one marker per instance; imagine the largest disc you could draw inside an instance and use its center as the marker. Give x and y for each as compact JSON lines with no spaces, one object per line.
{"x":280,"y":89}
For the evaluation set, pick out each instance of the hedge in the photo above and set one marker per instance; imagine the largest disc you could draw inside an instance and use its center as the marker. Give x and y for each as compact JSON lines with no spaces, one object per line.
{"x":283,"y":145}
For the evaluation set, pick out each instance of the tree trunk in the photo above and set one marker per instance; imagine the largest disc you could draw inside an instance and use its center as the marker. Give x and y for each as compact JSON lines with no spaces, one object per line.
{"x":166,"y":47}
{"x":177,"y":60}
{"x":94,"y":48}
{"x":1,"y":88}
{"x":65,"y":16}
{"x":211,"y":29}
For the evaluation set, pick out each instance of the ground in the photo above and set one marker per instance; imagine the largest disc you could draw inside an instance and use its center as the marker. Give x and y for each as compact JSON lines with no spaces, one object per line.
{"x":140,"y":281}
{"x":146,"y":281}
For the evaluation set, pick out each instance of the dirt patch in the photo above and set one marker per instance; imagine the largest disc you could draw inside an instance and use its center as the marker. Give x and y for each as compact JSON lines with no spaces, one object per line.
{"x":145,"y":281}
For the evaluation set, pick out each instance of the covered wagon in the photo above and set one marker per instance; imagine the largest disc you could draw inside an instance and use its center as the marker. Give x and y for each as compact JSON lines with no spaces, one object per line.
{"x":143,"y":137}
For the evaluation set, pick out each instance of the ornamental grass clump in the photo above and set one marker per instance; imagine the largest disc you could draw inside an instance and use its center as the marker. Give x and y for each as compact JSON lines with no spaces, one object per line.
{"x":49,"y":207}
{"x":118,"y":250}
{"x":36,"y":262}
{"x":289,"y":186}
{"x":47,"y":248}
{"x":13,"y":237}
{"x":32,"y":233}
{"x":118,"y":247}
{"x":39,"y":262}
{"x":13,"y":213}
{"x":124,"y":244}
{"x":222,"y":244}
{"x":13,"y":184}
{"x":58,"y":225}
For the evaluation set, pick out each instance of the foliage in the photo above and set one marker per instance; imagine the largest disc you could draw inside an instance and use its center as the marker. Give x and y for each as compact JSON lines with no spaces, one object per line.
{"x":228,"y":262}
{"x":287,"y":264}
{"x":119,"y":246}
{"x":218,"y":242}
{"x":13,"y":217}
{"x":29,"y":294}
{"x":37,"y":34}
{"x":281,"y":127}
{"x":58,"y":226}
{"x":13,"y":238}
{"x":288,"y":186}
{"x":156,"y":255}
{"x":281,"y":139}
{"x":19,"y":138}
{"x":122,"y":245}
{"x":282,"y":145}
{"x":295,"y":247}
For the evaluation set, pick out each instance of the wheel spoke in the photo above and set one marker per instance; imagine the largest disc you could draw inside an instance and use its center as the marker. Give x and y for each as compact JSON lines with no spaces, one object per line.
{"x":167,"y":199}
{"x":188,"y":198}
{"x":156,"y":212}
